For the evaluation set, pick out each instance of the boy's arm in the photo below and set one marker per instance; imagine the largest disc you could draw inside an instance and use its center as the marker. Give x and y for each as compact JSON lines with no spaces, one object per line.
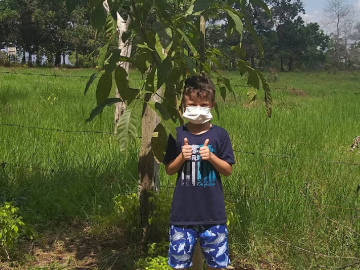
{"x":175,"y":165}
{"x":220,"y":165}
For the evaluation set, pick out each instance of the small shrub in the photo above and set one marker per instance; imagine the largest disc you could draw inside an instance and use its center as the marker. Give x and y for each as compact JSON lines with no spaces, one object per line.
{"x":127,"y":207}
{"x":11,"y":225}
{"x":156,"y":259}
{"x":159,"y":216}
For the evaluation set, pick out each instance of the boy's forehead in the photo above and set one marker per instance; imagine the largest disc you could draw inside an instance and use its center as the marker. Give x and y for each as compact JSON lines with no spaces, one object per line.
{"x":193,"y":96}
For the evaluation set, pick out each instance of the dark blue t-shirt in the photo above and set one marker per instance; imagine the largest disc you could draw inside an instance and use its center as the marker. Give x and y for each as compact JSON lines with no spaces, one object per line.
{"x":198,"y":196}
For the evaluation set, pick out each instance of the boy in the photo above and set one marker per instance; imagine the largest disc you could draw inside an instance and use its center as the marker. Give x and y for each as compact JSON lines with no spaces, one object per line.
{"x":199,"y":154}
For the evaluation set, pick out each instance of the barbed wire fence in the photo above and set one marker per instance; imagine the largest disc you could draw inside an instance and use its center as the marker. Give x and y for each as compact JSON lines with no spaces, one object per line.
{"x":285,"y":156}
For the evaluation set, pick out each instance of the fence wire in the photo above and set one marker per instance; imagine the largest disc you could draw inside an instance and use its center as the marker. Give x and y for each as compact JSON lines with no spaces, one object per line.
{"x":285,"y":156}
{"x":5,"y":164}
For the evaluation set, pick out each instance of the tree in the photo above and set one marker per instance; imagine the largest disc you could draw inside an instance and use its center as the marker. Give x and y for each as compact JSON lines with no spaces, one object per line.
{"x":339,"y":17}
{"x":176,"y":31}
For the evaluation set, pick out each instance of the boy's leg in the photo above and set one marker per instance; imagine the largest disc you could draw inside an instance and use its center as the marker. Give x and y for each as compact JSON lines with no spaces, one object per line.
{"x":181,"y":248}
{"x":214,"y":245}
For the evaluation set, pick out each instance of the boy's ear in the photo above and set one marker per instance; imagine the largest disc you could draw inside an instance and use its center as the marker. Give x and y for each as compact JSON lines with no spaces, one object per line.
{"x":213,"y":104}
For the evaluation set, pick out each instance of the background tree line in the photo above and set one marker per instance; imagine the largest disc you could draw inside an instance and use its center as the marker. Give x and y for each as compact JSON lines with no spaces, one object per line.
{"x":54,"y":29}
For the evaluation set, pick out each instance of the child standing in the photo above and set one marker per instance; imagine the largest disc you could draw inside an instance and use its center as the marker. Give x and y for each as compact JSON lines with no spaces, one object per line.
{"x":199,"y":154}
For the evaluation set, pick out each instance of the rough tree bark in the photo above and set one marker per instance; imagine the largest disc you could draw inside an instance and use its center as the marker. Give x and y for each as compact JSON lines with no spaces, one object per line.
{"x":148,"y":168}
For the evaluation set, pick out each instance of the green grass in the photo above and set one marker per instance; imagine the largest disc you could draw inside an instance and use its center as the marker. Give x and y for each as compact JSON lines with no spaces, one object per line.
{"x":297,"y":208}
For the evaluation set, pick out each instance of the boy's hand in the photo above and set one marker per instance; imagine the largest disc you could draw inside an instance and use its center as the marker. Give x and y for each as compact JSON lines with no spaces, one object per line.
{"x":186,"y":150}
{"x":205,"y":151}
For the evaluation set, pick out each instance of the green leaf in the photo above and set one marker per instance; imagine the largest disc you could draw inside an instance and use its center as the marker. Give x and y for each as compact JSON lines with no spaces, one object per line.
{"x":159,"y":143}
{"x":201,"y":5}
{"x":125,"y":36}
{"x":168,"y":117}
{"x":237,"y":21}
{"x":110,"y":26}
{"x":230,"y":27}
{"x":100,"y":107}
{"x":164,"y":35}
{"x":150,"y":81}
{"x":122,"y":84}
{"x":268,"y":98}
{"x":97,"y":14}
{"x":252,"y":95}
{"x":143,"y":60}
{"x":114,"y":6}
{"x":145,"y":46}
{"x":90,"y":81}
{"x":239,"y":51}
{"x":216,"y":107}
{"x":189,"y":11}
{"x":253,"y":79}
{"x":188,"y":42}
{"x":164,"y":70}
{"x":111,"y":62}
{"x":228,"y":86}
{"x":126,"y":129}
{"x":254,"y":34}
{"x":104,"y":87}
{"x":222,"y":87}
{"x":102,"y":55}
{"x":191,"y":64}
{"x":162,"y":10}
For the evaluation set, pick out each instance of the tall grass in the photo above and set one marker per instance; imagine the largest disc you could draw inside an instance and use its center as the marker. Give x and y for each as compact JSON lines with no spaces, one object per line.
{"x":292,"y":202}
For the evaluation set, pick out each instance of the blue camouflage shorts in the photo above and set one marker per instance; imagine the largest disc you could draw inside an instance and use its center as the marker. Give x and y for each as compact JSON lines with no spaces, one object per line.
{"x":213,"y":242}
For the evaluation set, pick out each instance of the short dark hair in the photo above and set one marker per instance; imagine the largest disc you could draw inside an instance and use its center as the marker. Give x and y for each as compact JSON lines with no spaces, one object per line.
{"x":201,"y":85}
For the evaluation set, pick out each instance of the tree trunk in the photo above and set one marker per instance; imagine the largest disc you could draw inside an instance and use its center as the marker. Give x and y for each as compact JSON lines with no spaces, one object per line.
{"x":38,"y":58}
{"x":23,"y":59}
{"x":76,"y":58}
{"x":125,"y":48}
{"x":30,"y":60}
{"x":64,"y":58}
{"x":122,"y":27}
{"x":291,"y":61}
{"x":58,"y":59}
{"x":252,"y":61}
{"x":148,"y":168}
{"x":282,"y":63}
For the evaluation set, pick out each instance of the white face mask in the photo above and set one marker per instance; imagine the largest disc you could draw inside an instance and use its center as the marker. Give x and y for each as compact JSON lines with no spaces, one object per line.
{"x":197,"y":114}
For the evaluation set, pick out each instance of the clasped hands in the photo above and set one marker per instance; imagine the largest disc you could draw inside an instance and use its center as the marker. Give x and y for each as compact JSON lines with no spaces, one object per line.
{"x":205,"y":152}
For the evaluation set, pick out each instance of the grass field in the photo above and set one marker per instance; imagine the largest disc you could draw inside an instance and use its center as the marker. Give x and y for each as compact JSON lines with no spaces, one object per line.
{"x":292,"y":200}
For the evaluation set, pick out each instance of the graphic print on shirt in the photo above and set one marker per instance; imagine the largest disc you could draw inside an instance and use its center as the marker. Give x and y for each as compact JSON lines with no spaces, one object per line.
{"x":198,"y":172}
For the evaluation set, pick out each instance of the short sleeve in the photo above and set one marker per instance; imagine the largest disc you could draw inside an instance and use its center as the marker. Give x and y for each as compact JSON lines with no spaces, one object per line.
{"x":171,"y":150}
{"x":226,"y":151}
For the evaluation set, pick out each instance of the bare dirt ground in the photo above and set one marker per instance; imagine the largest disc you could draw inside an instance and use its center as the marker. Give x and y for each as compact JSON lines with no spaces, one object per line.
{"x":78,"y":247}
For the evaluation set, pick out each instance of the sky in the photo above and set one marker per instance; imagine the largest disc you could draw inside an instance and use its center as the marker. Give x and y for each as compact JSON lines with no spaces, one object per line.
{"x":314,"y":9}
